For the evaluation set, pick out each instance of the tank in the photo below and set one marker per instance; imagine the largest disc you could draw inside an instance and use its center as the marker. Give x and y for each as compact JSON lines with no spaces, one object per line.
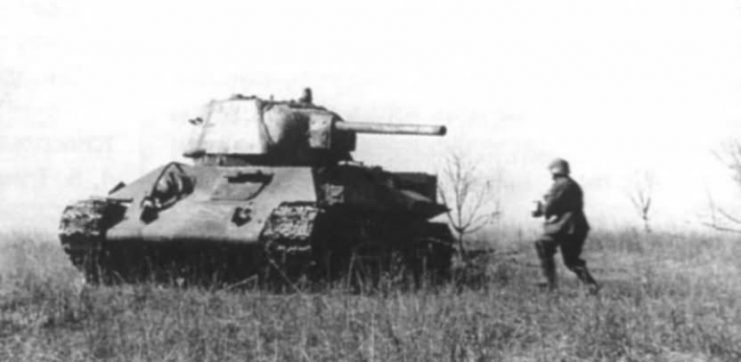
{"x":271,"y":191}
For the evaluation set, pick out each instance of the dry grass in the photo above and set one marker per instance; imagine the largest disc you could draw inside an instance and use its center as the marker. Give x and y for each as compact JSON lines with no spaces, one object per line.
{"x":665,"y":298}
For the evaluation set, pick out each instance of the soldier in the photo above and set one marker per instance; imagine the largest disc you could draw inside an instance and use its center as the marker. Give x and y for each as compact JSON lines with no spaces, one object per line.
{"x":565,"y":227}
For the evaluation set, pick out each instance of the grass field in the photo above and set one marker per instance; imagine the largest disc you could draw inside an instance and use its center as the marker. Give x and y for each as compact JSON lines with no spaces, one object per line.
{"x":664,"y":298}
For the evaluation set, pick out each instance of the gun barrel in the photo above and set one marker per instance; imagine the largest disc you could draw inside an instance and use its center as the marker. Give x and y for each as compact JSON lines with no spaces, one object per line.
{"x":392,"y":128}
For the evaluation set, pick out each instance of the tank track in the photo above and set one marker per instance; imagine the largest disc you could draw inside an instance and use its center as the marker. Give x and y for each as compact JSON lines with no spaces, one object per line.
{"x":287,"y":239}
{"x":432,"y":251}
{"x":82,"y":232}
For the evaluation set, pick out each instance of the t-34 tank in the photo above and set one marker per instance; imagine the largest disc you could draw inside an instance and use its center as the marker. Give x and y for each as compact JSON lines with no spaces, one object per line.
{"x":272,"y":190}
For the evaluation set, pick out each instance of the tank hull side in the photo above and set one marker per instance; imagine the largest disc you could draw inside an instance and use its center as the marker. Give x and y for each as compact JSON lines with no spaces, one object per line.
{"x":208,"y":214}
{"x":374,"y":190}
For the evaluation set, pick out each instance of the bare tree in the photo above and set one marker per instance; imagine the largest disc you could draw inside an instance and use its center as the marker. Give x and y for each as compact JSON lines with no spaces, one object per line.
{"x":720,"y":219}
{"x":472,"y":200}
{"x":641,"y":196}
{"x":731,"y":157}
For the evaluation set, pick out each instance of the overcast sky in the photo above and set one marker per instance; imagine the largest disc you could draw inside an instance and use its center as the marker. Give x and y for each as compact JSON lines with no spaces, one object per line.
{"x":94,"y":93}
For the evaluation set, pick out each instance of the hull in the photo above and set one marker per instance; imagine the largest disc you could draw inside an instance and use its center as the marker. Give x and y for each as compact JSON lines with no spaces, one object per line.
{"x":231,"y":223}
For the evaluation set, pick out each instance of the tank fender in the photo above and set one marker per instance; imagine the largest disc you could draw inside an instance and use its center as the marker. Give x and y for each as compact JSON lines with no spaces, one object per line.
{"x":290,"y":227}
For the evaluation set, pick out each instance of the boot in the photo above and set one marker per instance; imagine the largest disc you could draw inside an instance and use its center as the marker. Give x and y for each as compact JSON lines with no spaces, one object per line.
{"x":549,"y":274}
{"x":586,"y":278}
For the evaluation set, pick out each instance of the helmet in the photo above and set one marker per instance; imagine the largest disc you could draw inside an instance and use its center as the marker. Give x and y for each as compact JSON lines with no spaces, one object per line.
{"x":559,"y":166}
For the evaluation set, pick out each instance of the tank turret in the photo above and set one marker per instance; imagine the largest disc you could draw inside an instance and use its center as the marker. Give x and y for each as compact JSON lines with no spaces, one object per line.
{"x":250,"y":130}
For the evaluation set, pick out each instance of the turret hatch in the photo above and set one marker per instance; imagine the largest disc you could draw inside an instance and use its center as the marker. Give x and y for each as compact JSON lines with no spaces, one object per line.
{"x":233,"y":127}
